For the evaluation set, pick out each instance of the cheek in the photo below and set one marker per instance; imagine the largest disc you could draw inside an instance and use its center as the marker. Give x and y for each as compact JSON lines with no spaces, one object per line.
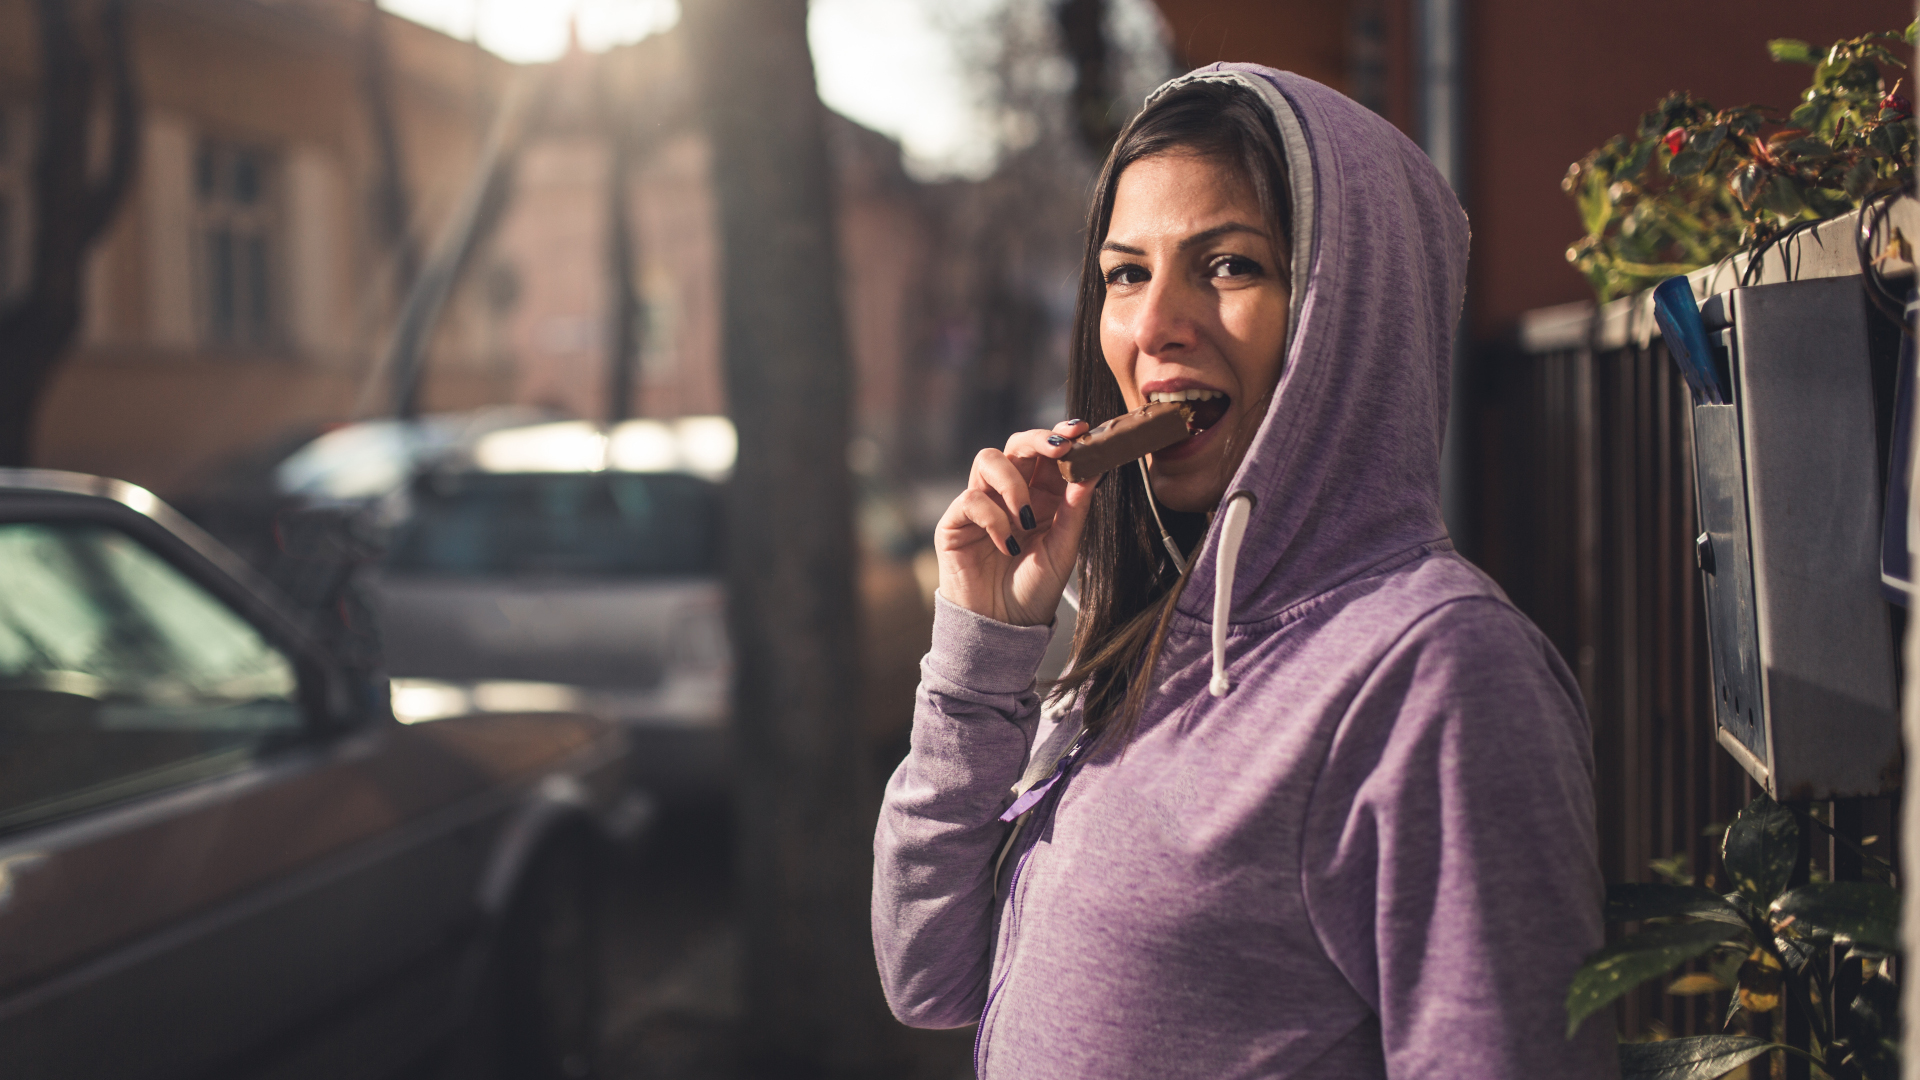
{"x":1259,"y":331}
{"x":1116,"y":346}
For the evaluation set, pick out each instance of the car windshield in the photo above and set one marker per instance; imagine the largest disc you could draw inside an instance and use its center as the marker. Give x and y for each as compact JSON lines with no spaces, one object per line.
{"x":588,"y":524}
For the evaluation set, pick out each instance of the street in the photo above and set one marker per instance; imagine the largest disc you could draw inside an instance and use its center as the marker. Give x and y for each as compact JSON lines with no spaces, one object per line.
{"x":672,"y":945}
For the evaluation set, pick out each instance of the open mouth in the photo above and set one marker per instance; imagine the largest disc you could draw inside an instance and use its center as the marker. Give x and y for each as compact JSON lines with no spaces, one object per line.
{"x":1207,"y":406}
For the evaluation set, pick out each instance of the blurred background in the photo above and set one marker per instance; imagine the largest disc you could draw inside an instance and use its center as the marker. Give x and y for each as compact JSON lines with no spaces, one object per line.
{"x":455,"y":271}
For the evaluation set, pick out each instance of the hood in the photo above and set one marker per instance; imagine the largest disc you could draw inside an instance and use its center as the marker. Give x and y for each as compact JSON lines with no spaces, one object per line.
{"x":1345,"y":469}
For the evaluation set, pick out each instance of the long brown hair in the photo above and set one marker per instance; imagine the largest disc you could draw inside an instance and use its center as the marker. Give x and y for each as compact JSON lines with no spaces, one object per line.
{"x":1128,"y":583}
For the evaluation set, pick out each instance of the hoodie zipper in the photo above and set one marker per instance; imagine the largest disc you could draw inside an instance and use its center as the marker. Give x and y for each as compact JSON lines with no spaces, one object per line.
{"x":1050,"y":801}
{"x":980,"y":1029}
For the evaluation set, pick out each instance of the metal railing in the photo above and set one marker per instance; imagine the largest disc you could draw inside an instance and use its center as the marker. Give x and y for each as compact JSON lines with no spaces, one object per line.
{"x":1586,"y":516}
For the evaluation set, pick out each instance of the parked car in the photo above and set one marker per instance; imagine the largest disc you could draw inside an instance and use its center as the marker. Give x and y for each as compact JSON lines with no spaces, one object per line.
{"x":220,"y":853}
{"x":596,"y":589}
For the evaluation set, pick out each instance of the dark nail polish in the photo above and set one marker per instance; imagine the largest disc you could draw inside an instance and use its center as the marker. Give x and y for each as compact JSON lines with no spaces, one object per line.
{"x":1013,"y":546}
{"x":1056,"y":440}
{"x":1071,"y":423}
{"x":1026,"y":518}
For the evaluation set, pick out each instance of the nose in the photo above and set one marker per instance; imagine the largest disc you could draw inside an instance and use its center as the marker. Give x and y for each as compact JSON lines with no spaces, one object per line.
{"x":1166,"y":322}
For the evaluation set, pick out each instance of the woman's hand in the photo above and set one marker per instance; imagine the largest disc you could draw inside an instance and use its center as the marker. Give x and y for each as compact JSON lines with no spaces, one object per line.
{"x":1008,"y":544}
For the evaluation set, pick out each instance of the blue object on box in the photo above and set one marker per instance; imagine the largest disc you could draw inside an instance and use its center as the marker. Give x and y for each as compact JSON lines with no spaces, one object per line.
{"x":1686,"y":337}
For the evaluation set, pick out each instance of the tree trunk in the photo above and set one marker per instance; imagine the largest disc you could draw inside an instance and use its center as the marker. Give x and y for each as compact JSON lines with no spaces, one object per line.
{"x":803,"y":797}
{"x":625,"y":329}
{"x":392,"y":206}
{"x":1083,"y":28}
{"x":71,"y":208}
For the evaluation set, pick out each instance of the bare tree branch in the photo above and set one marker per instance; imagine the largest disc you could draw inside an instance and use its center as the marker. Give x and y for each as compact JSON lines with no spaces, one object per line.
{"x":392,"y":203}
{"x":71,"y":208}
{"x":123,"y":107}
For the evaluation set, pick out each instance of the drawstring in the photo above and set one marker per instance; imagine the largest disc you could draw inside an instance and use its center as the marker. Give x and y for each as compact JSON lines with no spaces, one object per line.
{"x":1232,"y":530}
{"x":1173,"y":549}
{"x":1239,"y":508}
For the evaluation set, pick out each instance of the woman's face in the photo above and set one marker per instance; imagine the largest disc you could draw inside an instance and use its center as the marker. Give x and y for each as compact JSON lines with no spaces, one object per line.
{"x":1195,"y":310}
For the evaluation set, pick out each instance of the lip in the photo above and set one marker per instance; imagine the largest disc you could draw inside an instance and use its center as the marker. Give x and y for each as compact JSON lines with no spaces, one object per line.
{"x":1167,"y":386}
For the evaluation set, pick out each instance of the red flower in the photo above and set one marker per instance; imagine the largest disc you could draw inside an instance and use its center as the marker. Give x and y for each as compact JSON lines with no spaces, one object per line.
{"x":1895,"y":101}
{"x":1676,"y":139}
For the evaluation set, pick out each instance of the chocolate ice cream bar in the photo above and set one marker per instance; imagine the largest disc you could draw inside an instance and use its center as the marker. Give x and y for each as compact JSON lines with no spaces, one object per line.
{"x":1151,"y":427}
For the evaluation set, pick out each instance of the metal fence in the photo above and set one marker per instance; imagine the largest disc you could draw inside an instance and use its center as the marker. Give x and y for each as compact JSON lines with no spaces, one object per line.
{"x":1586,"y":518}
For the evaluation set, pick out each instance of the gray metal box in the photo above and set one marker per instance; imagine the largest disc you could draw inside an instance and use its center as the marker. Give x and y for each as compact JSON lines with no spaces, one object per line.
{"x":1787,"y":487}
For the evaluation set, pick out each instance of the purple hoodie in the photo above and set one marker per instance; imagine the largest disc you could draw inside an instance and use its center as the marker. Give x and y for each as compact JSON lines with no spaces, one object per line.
{"x":1373,"y":855}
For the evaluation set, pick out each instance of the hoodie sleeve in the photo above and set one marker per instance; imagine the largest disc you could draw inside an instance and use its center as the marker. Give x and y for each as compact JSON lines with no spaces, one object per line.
{"x":1451,"y":868}
{"x":973,"y":722}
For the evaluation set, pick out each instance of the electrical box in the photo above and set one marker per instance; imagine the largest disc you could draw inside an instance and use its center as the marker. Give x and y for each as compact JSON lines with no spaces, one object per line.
{"x":1788,"y":490}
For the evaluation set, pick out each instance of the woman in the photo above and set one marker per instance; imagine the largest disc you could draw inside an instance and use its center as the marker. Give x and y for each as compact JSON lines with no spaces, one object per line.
{"x":1313,"y":799}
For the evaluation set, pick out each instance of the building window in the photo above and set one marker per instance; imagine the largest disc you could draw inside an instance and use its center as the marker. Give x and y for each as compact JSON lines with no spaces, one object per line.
{"x":237,"y":225}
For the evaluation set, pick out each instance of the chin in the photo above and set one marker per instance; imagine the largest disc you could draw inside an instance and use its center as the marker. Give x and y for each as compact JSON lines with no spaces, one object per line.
{"x":1188,"y":495}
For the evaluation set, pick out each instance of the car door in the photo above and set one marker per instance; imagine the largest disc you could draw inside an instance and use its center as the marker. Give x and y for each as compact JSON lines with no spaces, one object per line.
{"x":207,"y":863}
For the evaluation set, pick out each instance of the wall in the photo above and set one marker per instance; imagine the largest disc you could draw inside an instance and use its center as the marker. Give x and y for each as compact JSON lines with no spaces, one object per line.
{"x":146,"y":395}
{"x":1551,"y":81}
{"x":1547,"y":81}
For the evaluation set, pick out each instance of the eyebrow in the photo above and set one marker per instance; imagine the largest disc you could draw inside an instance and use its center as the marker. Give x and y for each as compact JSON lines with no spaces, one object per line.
{"x":1205,"y":236}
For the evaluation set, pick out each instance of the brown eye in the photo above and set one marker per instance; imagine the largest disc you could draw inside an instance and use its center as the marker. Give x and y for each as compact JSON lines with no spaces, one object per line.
{"x":1234,"y":266}
{"x":1126,"y":274}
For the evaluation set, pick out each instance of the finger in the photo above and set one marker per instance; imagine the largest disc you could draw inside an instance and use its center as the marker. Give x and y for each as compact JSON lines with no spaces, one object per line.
{"x":1062,"y":540}
{"x":976,"y":512}
{"x":1059,"y":441}
{"x":1038,"y":443}
{"x":1000,"y":475}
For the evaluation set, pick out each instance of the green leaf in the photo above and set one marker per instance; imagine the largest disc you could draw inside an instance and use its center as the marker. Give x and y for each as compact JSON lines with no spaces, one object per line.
{"x":1861,"y":913}
{"x":1886,"y":139}
{"x":1827,"y":202}
{"x":1859,"y":182}
{"x":1790,"y":51}
{"x":1745,"y":184}
{"x":1794,"y":952}
{"x":1620,"y":967}
{"x":1876,"y":1006}
{"x":1762,"y":844}
{"x":1807,"y":148}
{"x":1704,"y":1057}
{"x":1637,"y":159}
{"x":1596,"y":206}
{"x":1687,"y":162}
{"x":1782,"y":196}
{"x":1632,"y":903}
{"x":1810,"y":113}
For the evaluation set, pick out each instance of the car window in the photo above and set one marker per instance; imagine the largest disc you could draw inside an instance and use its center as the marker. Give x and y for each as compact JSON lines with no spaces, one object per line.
{"x":120,"y":675}
{"x":585,"y":524}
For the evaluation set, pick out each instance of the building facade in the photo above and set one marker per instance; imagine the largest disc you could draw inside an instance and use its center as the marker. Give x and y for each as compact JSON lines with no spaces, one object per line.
{"x":244,"y":294}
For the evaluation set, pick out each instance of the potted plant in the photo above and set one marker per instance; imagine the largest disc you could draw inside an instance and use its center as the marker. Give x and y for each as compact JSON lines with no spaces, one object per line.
{"x":1765,"y":941}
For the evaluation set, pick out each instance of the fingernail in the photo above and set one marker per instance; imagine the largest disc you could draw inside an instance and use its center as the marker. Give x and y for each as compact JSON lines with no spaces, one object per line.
{"x":1071,"y":423}
{"x":1026,"y":518}
{"x":1013,"y":546}
{"x":1056,"y":440}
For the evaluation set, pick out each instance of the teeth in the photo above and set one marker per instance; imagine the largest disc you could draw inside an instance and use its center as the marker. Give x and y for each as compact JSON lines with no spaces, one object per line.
{"x":1185,"y":395}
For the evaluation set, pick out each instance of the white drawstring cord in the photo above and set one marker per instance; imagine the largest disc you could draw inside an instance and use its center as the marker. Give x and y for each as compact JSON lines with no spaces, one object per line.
{"x":1232,"y":530}
{"x":1173,"y":549}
